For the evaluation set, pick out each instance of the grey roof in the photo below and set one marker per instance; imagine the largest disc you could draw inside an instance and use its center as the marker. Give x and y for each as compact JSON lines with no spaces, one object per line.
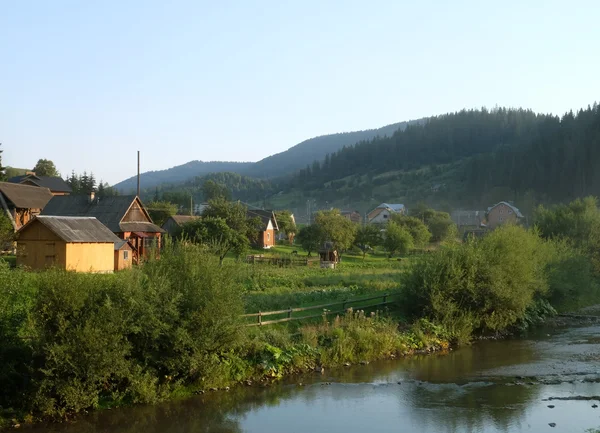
{"x":24,"y":196}
{"x":76,"y":229}
{"x":140,"y":226}
{"x":264,"y":215}
{"x":513,"y":207}
{"x":108,"y":210}
{"x":396,"y":207}
{"x":120,"y":244}
{"x":57,"y":184}
{"x":183,"y":219}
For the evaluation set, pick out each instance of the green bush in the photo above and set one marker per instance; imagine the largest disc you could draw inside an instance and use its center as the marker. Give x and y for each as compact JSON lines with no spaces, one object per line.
{"x":482,"y":286}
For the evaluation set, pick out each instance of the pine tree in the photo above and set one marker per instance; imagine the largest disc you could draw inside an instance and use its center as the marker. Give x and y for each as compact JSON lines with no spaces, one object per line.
{"x":84,"y":182}
{"x":101,"y":192}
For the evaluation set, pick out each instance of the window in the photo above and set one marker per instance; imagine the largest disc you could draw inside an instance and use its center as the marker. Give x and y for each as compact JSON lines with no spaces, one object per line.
{"x":268,"y":236}
{"x":501,"y":219}
{"x":385,"y":216}
{"x":509,"y":211}
{"x":125,"y":255}
{"x":501,"y":210}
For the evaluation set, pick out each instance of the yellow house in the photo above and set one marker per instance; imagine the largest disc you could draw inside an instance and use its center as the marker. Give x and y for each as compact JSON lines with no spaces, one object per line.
{"x":81,"y":244}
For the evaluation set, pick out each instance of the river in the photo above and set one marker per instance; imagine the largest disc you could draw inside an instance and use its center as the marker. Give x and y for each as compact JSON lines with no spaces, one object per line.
{"x":491,"y":386}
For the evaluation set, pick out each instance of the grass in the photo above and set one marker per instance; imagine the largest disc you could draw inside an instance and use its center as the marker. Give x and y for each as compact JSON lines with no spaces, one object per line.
{"x":10,"y":259}
{"x":271,"y":287}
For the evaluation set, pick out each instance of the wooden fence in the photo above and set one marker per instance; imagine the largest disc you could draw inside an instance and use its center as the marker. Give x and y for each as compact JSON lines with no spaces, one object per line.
{"x":281,"y":261}
{"x":345,"y":304}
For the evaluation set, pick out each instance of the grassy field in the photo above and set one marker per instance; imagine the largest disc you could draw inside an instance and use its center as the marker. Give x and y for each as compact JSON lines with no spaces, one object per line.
{"x":270,"y":287}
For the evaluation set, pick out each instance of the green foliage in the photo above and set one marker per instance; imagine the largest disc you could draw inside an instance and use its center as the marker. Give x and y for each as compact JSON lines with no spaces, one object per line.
{"x":71,"y":341}
{"x":160,"y":211}
{"x":484,"y":285}
{"x":441,"y":227}
{"x":368,"y":237}
{"x":45,"y":167}
{"x":335,"y":228}
{"x":286,"y":223}
{"x":418,"y":230}
{"x":216,"y":235}
{"x":212,"y":190}
{"x":397,"y":239}
{"x":310,"y":238}
{"x":7,"y":232}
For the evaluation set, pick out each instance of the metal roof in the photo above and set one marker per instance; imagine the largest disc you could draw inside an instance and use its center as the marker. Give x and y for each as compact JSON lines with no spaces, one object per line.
{"x":264,"y":215}
{"x":108,"y":210}
{"x":183,"y":219}
{"x":396,"y":207}
{"x":53,"y":183}
{"x":513,"y":207}
{"x":24,"y":196}
{"x":75,"y":229}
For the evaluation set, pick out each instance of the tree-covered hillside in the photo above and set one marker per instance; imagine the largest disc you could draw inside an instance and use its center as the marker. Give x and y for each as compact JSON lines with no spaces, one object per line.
{"x":178,"y":174}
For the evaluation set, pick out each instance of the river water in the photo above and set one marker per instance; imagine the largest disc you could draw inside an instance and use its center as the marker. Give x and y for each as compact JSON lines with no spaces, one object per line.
{"x":492,"y":386}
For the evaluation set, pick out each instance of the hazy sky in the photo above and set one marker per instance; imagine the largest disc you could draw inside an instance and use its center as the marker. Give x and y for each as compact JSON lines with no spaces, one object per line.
{"x":86,"y":84}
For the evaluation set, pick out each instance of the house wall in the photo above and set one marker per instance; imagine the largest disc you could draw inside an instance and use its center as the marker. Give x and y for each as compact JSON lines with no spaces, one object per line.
{"x":500,"y":214}
{"x":120,"y":261}
{"x":135,"y":213}
{"x":382,"y":217}
{"x":170,"y":226}
{"x":267,"y":238}
{"x":90,"y":257}
{"x":41,"y":254}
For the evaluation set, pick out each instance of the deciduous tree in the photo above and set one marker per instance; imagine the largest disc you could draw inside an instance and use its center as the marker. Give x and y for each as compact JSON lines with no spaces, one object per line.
{"x":45,"y":167}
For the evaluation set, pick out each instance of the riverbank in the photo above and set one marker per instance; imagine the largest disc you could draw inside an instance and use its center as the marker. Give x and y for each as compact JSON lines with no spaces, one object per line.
{"x":488,"y":387}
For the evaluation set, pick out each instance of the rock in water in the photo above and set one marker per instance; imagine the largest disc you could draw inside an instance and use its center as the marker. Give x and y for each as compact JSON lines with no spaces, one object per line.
{"x":552,"y":424}
{"x":594,"y":406}
{"x":551,"y":406}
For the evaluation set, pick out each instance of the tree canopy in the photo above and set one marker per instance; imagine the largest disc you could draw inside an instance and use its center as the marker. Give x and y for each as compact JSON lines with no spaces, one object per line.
{"x":45,"y":167}
{"x":336,"y":229}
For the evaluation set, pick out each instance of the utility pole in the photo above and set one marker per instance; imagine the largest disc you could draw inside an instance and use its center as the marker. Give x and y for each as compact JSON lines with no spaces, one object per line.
{"x":191,"y":205}
{"x":138,"y":174}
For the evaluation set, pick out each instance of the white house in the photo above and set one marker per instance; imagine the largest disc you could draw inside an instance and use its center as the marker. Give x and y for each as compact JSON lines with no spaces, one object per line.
{"x":383,"y":212}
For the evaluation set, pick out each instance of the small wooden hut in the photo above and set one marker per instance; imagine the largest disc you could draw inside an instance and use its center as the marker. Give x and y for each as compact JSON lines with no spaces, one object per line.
{"x":328,"y":256}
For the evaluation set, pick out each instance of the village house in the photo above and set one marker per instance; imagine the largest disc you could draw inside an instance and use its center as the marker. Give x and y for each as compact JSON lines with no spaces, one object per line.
{"x":266,"y":235}
{"x":383,"y":212}
{"x":467,"y":218}
{"x":21,"y":203}
{"x":55,"y":184}
{"x":175,"y":222}
{"x":123,"y":255}
{"x":125,"y":216}
{"x":502,"y":213}
{"x":352,"y":215}
{"x":81,"y":244}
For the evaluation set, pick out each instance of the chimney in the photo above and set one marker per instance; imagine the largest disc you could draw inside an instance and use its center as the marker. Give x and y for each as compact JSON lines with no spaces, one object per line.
{"x":92,"y":196}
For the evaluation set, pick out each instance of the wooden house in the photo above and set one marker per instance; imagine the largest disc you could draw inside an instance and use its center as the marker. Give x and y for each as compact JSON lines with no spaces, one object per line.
{"x":175,"y":222}
{"x":502,"y":213}
{"x":123,"y":255}
{"x":21,"y":203}
{"x":125,"y":216}
{"x":266,"y":234}
{"x":55,"y":184}
{"x":383,"y":212}
{"x":352,"y":215}
{"x":81,"y":244}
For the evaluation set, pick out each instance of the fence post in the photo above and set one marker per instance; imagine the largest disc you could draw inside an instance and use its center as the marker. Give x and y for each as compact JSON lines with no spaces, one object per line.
{"x":290,"y":313}
{"x":385,"y":295}
{"x":259,"y":318}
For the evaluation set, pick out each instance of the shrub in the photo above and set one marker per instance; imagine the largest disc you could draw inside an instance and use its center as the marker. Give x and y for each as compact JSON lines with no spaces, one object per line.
{"x":483,"y":285}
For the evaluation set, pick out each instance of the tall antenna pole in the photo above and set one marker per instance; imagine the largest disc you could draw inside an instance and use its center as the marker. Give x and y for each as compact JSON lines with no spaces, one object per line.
{"x":138,"y":176}
{"x":191,"y":205}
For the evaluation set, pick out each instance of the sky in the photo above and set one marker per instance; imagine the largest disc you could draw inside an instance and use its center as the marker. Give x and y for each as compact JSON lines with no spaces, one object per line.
{"x":87,"y":84}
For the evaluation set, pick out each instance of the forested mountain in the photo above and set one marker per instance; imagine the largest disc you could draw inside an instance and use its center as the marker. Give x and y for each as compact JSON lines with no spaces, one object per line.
{"x":467,"y":159}
{"x":178,"y":174}
{"x":239,"y":187}
{"x":293,"y":159}
{"x":281,"y":164}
